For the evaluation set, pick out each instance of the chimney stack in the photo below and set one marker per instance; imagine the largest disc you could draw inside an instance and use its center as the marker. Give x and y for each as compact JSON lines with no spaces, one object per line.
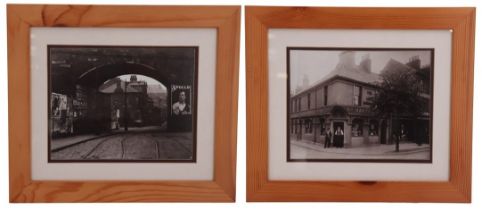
{"x":347,"y":59}
{"x":414,"y":62}
{"x":366,"y":63}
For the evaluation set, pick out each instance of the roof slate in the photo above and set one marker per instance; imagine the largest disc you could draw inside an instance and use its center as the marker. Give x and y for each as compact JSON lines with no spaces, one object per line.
{"x":350,"y":72}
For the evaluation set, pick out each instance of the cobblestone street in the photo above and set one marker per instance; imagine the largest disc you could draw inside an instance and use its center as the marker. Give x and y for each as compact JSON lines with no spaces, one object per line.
{"x":132,"y":145}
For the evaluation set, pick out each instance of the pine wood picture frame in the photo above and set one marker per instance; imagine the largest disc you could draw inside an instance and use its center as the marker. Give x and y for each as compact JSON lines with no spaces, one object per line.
{"x":260,"y":19}
{"x":21,"y":18}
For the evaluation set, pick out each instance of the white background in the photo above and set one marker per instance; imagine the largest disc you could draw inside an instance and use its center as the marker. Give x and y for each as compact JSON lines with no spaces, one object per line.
{"x":241,"y":164}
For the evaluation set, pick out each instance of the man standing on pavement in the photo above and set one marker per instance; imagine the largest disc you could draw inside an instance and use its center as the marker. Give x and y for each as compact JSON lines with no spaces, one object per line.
{"x":339,"y":137}
{"x":328,"y":137}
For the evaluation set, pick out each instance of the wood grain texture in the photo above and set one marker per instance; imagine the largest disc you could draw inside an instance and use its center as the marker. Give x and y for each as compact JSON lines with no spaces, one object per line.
{"x":258,"y":22}
{"x":20,"y":18}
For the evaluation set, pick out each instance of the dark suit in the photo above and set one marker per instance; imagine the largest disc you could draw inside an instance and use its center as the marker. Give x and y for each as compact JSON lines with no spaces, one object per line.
{"x":339,"y":138}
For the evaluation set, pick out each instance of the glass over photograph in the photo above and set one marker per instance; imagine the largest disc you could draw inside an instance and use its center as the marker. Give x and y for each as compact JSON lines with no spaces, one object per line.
{"x":359,"y":104}
{"x":122,"y":103}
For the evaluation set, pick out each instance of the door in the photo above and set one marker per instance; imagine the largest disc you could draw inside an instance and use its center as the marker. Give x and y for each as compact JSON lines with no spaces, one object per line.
{"x":338,"y":140}
{"x":338,"y":124}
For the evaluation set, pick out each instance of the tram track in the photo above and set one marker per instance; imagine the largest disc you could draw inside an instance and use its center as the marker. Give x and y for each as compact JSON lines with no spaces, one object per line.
{"x":122,"y":142}
{"x":83,"y":141}
{"x":95,"y":148}
{"x":119,"y":146}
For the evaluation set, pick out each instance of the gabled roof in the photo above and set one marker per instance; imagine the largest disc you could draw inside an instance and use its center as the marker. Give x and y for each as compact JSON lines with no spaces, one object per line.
{"x":356,"y":73}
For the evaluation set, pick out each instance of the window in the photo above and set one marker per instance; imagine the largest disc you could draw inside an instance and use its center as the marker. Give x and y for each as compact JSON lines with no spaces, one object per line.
{"x":293,"y":108}
{"x":373,"y":128}
{"x":357,"y":93}
{"x":311,"y":126}
{"x":297,"y":108}
{"x":325,"y":101}
{"x":357,"y":127}
{"x":322,"y":126}
{"x":309,"y":100}
{"x":299,"y":104}
{"x":296,"y":125}
{"x":308,"y":126}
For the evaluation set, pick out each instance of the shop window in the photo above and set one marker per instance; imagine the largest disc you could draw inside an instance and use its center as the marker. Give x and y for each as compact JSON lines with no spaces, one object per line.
{"x":357,"y":127}
{"x":308,"y":126}
{"x":300,"y":126}
{"x":322,"y":126}
{"x":373,"y":128}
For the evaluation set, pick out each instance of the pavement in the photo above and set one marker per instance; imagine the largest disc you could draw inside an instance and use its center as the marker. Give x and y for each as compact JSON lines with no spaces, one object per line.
{"x":305,"y":149}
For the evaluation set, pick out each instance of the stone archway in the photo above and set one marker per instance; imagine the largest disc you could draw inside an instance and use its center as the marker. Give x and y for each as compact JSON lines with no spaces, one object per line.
{"x":98,"y":105}
{"x":97,"y":75}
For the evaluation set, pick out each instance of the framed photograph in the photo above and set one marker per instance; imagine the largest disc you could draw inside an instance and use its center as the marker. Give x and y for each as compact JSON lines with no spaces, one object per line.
{"x":361,"y":102}
{"x":357,"y":104}
{"x":116,"y":109}
{"x":108,"y":108}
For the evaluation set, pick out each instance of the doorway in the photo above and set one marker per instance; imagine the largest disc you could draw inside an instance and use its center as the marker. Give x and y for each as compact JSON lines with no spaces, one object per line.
{"x":338,"y":138}
{"x":338,"y":124}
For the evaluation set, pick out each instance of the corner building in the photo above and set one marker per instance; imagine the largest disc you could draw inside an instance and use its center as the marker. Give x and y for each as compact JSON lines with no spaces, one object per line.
{"x":342,"y":99}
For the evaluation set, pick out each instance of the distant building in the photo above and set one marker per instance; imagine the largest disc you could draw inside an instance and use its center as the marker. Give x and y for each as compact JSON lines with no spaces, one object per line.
{"x":342,"y":99}
{"x":140,"y":106}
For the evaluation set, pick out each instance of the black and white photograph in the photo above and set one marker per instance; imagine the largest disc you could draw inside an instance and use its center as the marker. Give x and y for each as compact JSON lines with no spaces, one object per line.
{"x":359,"y":104}
{"x":122,"y":103}
{"x":180,"y":96}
